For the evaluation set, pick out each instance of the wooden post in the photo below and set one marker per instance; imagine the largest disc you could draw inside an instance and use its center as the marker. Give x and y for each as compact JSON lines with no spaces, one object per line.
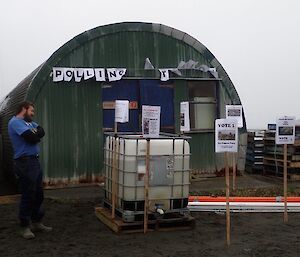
{"x":113,"y":175}
{"x":227,"y":200}
{"x":233,"y":171}
{"x":285,"y":217}
{"x":146,"y":188}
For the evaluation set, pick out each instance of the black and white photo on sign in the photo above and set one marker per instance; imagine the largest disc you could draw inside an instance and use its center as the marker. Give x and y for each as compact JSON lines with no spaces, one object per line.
{"x":285,"y":130}
{"x":226,"y":135}
{"x":121,"y":111}
{"x":146,"y":126}
{"x":150,"y":121}
{"x":235,"y":112}
{"x":184,"y":116}
{"x":182,"y":119}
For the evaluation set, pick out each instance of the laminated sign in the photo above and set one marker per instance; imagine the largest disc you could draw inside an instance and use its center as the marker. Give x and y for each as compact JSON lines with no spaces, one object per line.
{"x":285,"y":130}
{"x":235,"y":112}
{"x":184,"y":116}
{"x":150,"y":121}
{"x":226,"y":135}
{"x":122,"y":111}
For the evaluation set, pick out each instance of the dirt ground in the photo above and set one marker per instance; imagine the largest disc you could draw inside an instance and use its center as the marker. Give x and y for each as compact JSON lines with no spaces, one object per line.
{"x":77,"y":231}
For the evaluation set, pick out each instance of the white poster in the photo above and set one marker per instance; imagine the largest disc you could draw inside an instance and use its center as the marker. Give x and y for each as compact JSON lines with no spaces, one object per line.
{"x":184,"y":116}
{"x":235,"y":112}
{"x":58,"y":74}
{"x":78,"y":74}
{"x":285,"y":130}
{"x":226,"y":135}
{"x":164,"y":74}
{"x":115,"y":74}
{"x":122,"y":111}
{"x":150,"y":121}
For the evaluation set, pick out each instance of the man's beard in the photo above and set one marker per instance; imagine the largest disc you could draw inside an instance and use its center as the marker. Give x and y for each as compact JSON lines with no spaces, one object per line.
{"x":27,"y":118}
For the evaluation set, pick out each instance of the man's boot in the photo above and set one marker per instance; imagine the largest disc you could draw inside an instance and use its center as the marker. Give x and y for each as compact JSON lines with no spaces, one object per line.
{"x":27,"y":233}
{"x":40,"y":227}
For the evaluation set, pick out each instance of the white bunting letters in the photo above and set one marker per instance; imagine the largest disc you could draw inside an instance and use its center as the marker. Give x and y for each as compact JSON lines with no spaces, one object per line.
{"x":88,"y":73}
{"x":67,"y":74}
{"x":78,"y":74}
{"x":58,"y":74}
{"x":114,"y":74}
{"x":164,"y":74}
{"x":100,"y":74}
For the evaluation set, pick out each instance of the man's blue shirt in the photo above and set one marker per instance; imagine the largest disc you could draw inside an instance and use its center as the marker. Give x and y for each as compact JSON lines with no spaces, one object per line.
{"x":16,"y":127}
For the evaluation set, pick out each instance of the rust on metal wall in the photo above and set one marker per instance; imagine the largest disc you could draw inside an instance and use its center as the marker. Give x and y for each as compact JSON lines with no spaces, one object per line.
{"x":76,"y":181}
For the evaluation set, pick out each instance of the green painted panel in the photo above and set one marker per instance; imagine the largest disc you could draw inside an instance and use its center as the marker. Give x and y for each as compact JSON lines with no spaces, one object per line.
{"x":72,"y":118}
{"x":203,"y":152}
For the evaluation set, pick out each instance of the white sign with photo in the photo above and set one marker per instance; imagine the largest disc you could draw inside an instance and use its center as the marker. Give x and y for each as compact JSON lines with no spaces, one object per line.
{"x":122,"y":111}
{"x":235,"y":112}
{"x":226,"y":135}
{"x":285,"y":130}
{"x":184,"y":116}
{"x":150,"y":121}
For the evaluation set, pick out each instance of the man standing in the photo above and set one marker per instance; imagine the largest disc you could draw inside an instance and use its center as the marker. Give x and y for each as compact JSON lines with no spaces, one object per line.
{"x":25,"y":135}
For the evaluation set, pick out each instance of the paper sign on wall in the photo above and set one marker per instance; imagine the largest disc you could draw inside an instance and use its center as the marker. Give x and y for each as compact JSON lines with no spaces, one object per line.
{"x":226,"y":135}
{"x":285,"y":130}
{"x":184,"y":116}
{"x":150,"y":121}
{"x":235,"y":112}
{"x":122,"y":111}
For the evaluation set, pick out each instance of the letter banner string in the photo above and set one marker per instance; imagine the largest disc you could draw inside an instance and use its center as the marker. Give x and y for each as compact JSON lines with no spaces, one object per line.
{"x":79,"y":74}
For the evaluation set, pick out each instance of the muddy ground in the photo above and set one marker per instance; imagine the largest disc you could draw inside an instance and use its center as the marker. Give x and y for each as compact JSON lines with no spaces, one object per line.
{"x":77,"y":231}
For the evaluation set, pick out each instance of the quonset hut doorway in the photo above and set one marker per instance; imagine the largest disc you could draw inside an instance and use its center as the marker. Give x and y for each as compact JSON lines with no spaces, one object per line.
{"x":138,"y":92}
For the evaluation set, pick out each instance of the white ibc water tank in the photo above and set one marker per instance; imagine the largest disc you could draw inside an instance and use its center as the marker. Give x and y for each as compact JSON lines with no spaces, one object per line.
{"x":169,"y":176}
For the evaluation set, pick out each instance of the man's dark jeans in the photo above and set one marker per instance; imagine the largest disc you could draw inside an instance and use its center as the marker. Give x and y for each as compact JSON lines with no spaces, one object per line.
{"x":30,"y":175}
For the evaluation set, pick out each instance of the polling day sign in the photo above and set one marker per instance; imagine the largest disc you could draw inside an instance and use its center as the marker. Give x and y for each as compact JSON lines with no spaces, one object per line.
{"x":150,"y":120}
{"x":122,"y":111}
{"x":184,"y":116}
{"x":226,"y":135}
{"x":285,"y":130}
{"x":235,"y":112}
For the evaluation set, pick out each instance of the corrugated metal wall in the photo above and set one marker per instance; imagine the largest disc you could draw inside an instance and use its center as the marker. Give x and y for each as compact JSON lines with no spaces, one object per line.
{"x":72,"y":118}
{"x":1,"y":160}
{"x":71,"y":113}
{"x":7,"y":110}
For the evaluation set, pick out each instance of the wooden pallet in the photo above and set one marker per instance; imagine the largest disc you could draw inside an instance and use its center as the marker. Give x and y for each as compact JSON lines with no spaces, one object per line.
{"x":119,"y":226}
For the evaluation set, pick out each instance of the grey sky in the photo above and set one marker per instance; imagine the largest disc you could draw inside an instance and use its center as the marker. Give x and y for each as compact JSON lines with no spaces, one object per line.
{"x":256,"y":41}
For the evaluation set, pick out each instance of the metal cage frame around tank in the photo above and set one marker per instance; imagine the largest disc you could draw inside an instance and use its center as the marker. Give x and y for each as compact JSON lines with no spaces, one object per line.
{"x":176,"y":204}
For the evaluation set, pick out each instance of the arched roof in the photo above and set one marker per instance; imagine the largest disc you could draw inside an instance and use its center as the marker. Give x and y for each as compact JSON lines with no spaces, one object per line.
{"x":112,"y":29}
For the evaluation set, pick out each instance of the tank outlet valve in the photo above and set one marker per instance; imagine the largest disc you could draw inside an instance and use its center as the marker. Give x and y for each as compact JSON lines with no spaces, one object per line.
{"x":160,"y":211}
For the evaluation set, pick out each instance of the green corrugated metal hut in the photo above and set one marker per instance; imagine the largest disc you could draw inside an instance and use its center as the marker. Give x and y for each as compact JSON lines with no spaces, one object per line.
{"x":73,"y":114}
